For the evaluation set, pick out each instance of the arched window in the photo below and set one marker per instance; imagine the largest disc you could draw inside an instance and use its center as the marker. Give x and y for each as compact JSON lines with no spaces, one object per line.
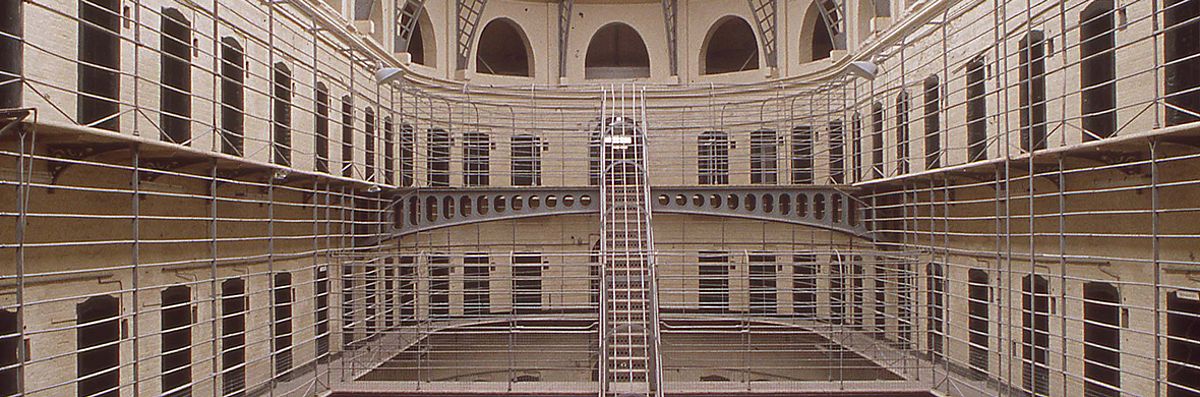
{"x":281,"y":141}
{"x":526,"y":160}
{"x":802,"y":154}
{"x":764,"y":168}
{"x":616,"y":51}
{"x":762,"y":283}
{"x":978,"y":324}
{"x":369,"y":130}
{"x":1102,"y":340}
{"x":816,"y":43}
{"x":933,"y":123}
{"x":936,"y":299}
{"x":408,"y":143}
{"x":714,"y":281}
{"x":1181,"y":34}
{"x":439,"y":286}
{"x":527,"y":282}
{"x":408,"y":287}
{"x":730,"y":46}
{"x":422,"y":50}
{"x":370,"y":299}
{"x":321,"y":127}
{"x":712,"y":158}
{"x":856,"y":147}
{"x":321,"y":322}
{"x":1035,"y":338}
{"x":347,"y":137}
{"x":804,"y":285}
{"x":476,"y":159}
{"x":1033,"y":91}
{"x":233,"y":96}
{"x":389,"y":151}
{"x":439,"y":157}
{"x":1183,"y":343}
{"x":99,"y":63}
{"x":837,"y":152}
{"x":476,"y":287}
{"x":176,"y":341}
{"x":1098,"y":70}
{"x":503,"y":49}
{"x":902,"y":106}
{"x":877,"y":140}
{"x":349,"y":314}
{"x":282,"y":325}
{"x":905,"y":304}
{"x":97,"y":343}
{"x":837,"y":291}
{"x":176,"y":77}
{"x":12,"y":61}
{"x":594,"y":155}
{"x":234,"y":304}
{"x":976,"y":109}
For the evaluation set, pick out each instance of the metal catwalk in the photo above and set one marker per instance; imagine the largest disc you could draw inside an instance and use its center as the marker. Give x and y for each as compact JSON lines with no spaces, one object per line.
{"x":629,"y":313}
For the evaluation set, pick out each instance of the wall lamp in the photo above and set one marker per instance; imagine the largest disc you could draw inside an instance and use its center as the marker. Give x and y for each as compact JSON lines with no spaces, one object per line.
{"x":864,"y":69}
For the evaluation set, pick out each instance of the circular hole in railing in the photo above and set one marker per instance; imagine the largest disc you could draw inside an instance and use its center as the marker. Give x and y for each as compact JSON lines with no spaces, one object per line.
{"x":551,"y":201}
{"x":853,"y":212}
{"x":413,"y":206}
{"x":535,"y":202}
{"x":568,"y":201}
{"x":482,"y":202}
{"x":448,"y":207}
{"x":464,"y":206}
{"x":732,"y":201}
{"x":518,"y":203}
{"x":585,"y":200}
{"x":431,"y":208}
{"x":697,"y":200}
{"x":768,"y":203}
{"x":663,"y":199}
{"x":785,"y":204}
{"x":751,"y":202}
{"x":819,"y":206}
{"x":837,"y":208}
{"x":714,"y":200}
{"x":802,"y":205}
{"x":499,"y":203}
{"x":680,"y":200}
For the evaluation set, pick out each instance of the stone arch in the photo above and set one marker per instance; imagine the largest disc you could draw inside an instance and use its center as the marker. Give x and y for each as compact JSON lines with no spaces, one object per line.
{"x":729,"y":46}
{"x":616,"y":51}
{"x":503,"y":49}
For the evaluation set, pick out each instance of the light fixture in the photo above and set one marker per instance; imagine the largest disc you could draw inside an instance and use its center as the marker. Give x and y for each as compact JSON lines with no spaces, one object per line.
{"x":374,"y":189}
{"x":281,"y":174}
{"x":864,"y":69}
{"x":387,"y":75}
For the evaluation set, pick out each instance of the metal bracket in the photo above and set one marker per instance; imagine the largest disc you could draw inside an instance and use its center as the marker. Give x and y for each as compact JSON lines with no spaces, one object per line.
{"x":407,"y":18}
{"x":147,"y":168}
{"x":765,"y":20}
{"x":565,"y":8}
{"x":834,"y":14}
{"x":77,"y":151}
{"x":468,"y":14}
{"x":671,"y":19}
